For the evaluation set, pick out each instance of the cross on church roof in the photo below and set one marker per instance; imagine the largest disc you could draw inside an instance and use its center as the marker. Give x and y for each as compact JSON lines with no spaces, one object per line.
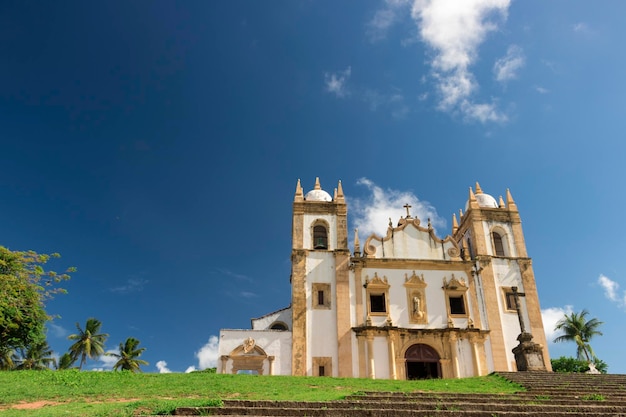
{"x":407,"y":206}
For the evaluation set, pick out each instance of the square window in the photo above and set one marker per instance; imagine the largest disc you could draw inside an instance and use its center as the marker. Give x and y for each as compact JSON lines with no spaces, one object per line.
{"x":377,"y":303}
{"x":457,"y":305}
{"x":322,"y":366}
{"x":320,"y":296}
{"x":510,"y":300}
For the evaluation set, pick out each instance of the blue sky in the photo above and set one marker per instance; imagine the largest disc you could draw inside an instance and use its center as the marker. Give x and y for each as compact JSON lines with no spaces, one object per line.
{"x":156,"y":145}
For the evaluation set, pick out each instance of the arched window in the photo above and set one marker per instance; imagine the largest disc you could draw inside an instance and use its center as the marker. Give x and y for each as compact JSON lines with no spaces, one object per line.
{"x":279,"y":326}
{"x":320,"y":237}
{"x":498,"y":244}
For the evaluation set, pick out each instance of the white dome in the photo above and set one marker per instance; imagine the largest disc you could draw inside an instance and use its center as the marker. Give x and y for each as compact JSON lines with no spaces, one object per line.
{"x":484,"y":200}
{"x":318,"y":195}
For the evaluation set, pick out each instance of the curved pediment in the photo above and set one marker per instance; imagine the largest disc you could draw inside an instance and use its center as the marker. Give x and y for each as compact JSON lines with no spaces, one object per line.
{"x":409,"y":240}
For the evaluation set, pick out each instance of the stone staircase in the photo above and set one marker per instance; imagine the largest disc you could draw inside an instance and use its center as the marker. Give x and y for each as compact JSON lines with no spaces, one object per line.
{"x":547,"y":394}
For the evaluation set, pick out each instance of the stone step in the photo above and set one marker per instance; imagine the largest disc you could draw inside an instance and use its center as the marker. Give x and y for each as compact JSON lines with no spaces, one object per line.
{"x":433,"y":405}
{"x":387,"y":412}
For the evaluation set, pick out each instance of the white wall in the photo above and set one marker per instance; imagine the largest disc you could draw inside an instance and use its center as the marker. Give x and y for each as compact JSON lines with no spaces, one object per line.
{"x":264,"y":322}
{"x":321,"y":323}
{"x":274,"y":342}
{"x":436,"y":301}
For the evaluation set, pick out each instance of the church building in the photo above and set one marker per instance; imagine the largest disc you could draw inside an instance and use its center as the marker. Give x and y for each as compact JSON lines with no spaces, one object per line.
{"x":408,"y":305}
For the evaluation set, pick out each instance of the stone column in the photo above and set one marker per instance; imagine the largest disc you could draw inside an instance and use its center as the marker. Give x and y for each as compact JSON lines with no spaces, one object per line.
{"x":455,"y":358}
{"x":370,"y":355}
{"x":271,"y":360}
{"x":475,"y":354}
{"x":224,"y":359}
{"x":392,"y":357}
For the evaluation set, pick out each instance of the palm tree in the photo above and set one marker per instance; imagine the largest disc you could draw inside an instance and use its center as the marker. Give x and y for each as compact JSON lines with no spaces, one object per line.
{"x":65,"y":361}
{"x":576,"y":328}
{"x":36,"y":357}
{"x":7,"y":359}
{"x":128,"y":358}
{"x":89,"y":342}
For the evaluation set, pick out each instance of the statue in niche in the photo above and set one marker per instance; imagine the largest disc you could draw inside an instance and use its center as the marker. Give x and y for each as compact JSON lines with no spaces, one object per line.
{"x":248,"y":345}
{"x":417,"y":306}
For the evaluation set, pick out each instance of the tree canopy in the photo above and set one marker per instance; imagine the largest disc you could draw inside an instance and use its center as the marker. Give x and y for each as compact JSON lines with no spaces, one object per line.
{"x":24,"y":287}
{"x":89,"y":342}
{"x":576,"y":328}
{"x":128,"y":358}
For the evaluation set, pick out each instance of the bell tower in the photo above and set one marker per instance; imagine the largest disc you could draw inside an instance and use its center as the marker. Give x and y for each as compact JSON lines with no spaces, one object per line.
{"x":490,"y":233}
{"x":320,"y":295}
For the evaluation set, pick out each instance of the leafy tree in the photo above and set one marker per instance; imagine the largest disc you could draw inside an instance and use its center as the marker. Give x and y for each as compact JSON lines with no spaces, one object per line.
{"x":66,"y":361}
{"x":24,"y":287}
{"x":128,"y":358}
{"x":36,"y":357}
{"x":569,"y":364}
{"x":576,"y":328}
{"x":89,"y":343}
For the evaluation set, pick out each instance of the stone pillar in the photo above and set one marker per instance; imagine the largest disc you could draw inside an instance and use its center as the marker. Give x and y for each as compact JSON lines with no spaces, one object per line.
{"x":455,"y":358}
{"x":370,"y":355}
{"x":271,"y":360}
{"x":362,"y":356}
{"x":224,"y":359}
{"x":475,"y":354}
{"x":392,"y":357}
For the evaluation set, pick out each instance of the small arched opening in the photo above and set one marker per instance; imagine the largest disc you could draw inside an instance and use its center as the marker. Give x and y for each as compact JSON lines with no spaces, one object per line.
{"x":422,"y":362}
{"x":320,"y":237}
{"x":279,"y":325}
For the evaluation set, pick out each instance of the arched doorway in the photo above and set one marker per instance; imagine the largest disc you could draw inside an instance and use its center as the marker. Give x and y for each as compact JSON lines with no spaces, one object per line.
{"x":422,"y":362}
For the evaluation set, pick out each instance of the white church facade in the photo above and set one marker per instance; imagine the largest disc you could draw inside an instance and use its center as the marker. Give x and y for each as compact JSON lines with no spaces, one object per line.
{"x":409,"y":305}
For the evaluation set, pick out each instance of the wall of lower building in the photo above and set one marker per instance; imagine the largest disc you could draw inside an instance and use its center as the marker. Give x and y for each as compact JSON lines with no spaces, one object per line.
{"x":265,"y":322}
{"x":274,"y":342}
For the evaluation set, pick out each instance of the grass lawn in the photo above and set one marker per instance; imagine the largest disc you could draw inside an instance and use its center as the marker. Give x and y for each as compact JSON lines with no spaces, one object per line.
{"x":75,"y":393}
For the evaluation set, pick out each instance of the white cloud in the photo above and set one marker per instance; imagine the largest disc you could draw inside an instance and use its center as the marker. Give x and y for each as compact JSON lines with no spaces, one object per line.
{"x":132,"y":285}
{"x":393,"y":101}
{"x":190,"y":369}
{"x":248,"y":294}
{"x":454,"y":30}
{"x":106,"y":362}
{"x":372,"y":213}
{"x":506,"y":68}
{"x":482,"y":112}
{"x":162,"y":367}
{"x":207,"y":355}
{"x":581,"y":27}
{"x":611,"y":290}
{"x":56,"y":330}
{"x":385,"y":18}
{"x":550,"y":317}
{"x":541,"y":90}
{"x":336,"y":82}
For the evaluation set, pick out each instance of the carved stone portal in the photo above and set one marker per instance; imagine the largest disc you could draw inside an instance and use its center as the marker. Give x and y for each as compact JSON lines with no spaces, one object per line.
{"x":248,"y":357}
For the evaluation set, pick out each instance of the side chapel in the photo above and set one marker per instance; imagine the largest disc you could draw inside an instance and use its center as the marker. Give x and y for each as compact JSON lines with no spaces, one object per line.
{"x":408,"y":305}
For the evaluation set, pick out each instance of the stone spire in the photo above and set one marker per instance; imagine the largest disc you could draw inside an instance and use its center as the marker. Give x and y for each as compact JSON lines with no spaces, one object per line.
{"x":478,"y":189}
{"x":299,"y":194}
{"x":455,"y":224}
{"x":509,"y":201}
{"x":357,"y":244}
{"x":501,"y":202}
{"x":340,"y":197}
{"x":317,"y":184}
{"x":472,"y":199}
